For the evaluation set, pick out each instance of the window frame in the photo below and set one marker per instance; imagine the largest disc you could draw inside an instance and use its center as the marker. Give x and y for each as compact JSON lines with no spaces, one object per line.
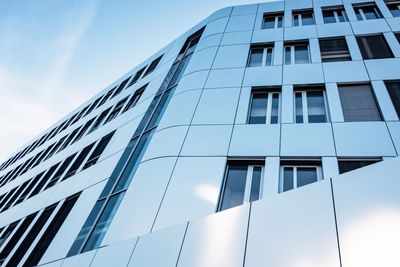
{"x":251,"y":164}
{"x":358,"y":9}
{"x":335,"y":10}
{"x":265,"y":48}
{"x":276,"y":16}
{"x":268,"y":115}
{"x":299,"y":14}
{"x":338,"y":55}
{"x":295,"y":167}
{"x":292,"y":46}
{"x":303,"y":91}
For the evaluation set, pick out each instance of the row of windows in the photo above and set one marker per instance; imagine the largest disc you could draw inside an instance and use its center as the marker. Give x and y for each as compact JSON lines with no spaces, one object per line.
{"x":109,"y":114}
{"x":116,"y":90}
{"x":55,"y":174}
{"x":310,"y":103}
{"x":331,"y":14}
{"x":331,"y":50}
{"x":26,"y":235}
{"x":243,"y":179}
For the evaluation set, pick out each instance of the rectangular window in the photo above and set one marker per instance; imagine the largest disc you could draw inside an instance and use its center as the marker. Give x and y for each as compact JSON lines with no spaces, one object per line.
{"x":346,"y":165}
{"x":393,"y":88}
{"x":106,"y":97}
{"x":99,"y":120}
{"x":134,"y":99}
{"x":264,"y":107}
{"x":153,"y":66}
{"x":374,"y":47}
{"x":358,"y":103}
{"x":394,"y":7}
{"x":34,"y":181}
{"x":273,"y":20}
{"x":8,"y":232}
{"x":93,"y":158}
{"x":15,"y":196}
{"x":83,"y":130}
{"x":296,"y":174}
{"x":297,"y":53}
{"x":114,"y":113}
{"x":303,"y":17}
{"x":242,"y":184}
{"x":334,"y":49}
{"x":367,"y":11}
{"x":334,"y":14}
{"x":69,"y":139}
{"x":310,"y":105}
{"x":137,"y":76}
{"x":260,"y":55}
{"x":78,"y":161}
{"x":60,"y":171}
{"x":120,"y":87}
{"x":44,"y":180}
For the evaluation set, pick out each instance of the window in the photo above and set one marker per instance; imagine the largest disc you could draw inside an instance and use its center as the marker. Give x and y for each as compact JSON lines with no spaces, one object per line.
{"x":98,"y":151}
{"x":297,"y":53}
{"x":303,"y":18}
{"x":34,"y":181}
{"x":106,"y":97}
{"x":99,"y":120}
{"x":15,"y":196}
{"x":137,"y":76}
{"x":367,"y":11}
{"x":78,"y":161}
{"x":334,"y":49}
{"x":114,"y":113}
{"x":242,"y":184}
{"x":69,"y":139}
{"x":358,"y":103}
{"x":374,"y":47}
{"x":153,"y":66}
{"x":8,"y":232}
{"x":134,"y":99}
{"x":398,"y":37}
{"x":334,"y":14}
{"x":83,"y":130}
{"x":346,"y":165}
{"x":273,"y":20}
{"x":393,"y":88}
{"x":309,"y":105}
{"x":260,"y":55}
{"x":394,"y":7}
{"x":60,"y":171}
{"x":120,"y":87}
{"x":297,"y":174}
{"x":44,"y":180}
{"x":264,"y":107}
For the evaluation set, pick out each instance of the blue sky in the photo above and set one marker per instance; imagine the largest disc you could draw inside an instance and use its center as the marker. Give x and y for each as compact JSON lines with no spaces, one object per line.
{"x":54,"y":55}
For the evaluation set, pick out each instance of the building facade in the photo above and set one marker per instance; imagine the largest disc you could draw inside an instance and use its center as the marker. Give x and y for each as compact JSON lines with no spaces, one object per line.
{"x":266,"y":135}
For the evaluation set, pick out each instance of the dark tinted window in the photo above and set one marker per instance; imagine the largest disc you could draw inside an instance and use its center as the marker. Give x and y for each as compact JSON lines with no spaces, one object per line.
{"x":374,"y":47}
{"x":349,"y":165}
{"x":393,"y":88}
{"x":334,"y":49}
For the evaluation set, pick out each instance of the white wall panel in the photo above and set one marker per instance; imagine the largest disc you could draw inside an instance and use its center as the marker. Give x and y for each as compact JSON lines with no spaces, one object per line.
{"x":116,"y":255}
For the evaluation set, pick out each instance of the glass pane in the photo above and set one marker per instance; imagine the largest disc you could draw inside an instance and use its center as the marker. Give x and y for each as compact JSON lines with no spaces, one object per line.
{"x":234,"y":187}
{"x":306,"y":175}
{"x":288,"y":55}
{"x":316,"y":106}
{"x":275,"y":108}
{"x":395,"y":9}
{"x":255,"y":184}
{"x":269,"y":22}
{"x":258,"y":108}
{"x":374,"y":47}
{"x":268,"y":59}
{"x":280,"y":21}
{"x":295,"y":20}
{"x":299,"y":107}
{"x":287,"y":178}
{"x":394,"y":92}
{"x":255,"y":59}
{"x":103,"y":223}
{"x":358,"y":14}
{"x":341,"y":15}
{"x":329,"y":17}
{"x":307,"y":19}
{"x":371,"y":12}
{"x":349,"y":165}
{"x":301,"y":54}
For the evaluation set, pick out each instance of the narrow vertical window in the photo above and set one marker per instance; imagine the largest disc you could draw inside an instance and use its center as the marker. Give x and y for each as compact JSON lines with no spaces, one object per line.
{"x":242,"y":184}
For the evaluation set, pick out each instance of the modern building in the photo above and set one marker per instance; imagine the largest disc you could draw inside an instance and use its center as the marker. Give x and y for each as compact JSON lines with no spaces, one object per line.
{"x":266,"y":135}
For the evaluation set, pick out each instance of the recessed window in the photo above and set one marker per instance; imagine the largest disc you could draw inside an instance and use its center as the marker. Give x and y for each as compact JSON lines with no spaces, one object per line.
{"x":310,"y":105}
{"x":134,"y":99}
{"x":358,"y":103}
{"x":334,"y":49}
{"x":137,"y":76}
{"x":114,"y":113}
{"x":78,"y":161}
{"x":152,"y":66}
{"x":120,"y":87}
{"x":273,"y":20}
{"x":98,"y":151}
{"x":260,"y":55}
{"x":334,"y":14}
{"x":294,"y":174}
{"x":99,"y":120}
{"x":393,"y":88}
{"x":367,"y":11}
{"x":297,"y":53}
{"x":303,"y":17}
{"x":264,"y":107}
{"x":374,"y":47}
{"x":242,"y":184}
{"x":346,"y":165}
{"x":394,"y":7}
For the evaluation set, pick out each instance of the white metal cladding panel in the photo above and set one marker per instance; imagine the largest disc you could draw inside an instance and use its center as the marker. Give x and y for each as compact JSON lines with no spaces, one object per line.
{"x":368,"y":215}
{"x":159,"y":248}
{"x":231,"y":56}
{"x":193,"y":190}
{"x":296,"y":228}
{"x":213,"y":242}
{"x":138,"y":211}
{"x":117,"y":255}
